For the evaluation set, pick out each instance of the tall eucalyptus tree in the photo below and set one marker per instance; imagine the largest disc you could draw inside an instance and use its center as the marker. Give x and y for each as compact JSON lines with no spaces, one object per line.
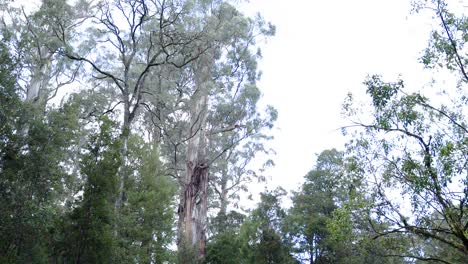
{"x":122,"y":43}
{"x":190,"y":64}
{"x":221,"y":111}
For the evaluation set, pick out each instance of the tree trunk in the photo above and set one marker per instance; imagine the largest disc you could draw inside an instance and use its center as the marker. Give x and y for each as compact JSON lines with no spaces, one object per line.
{"x":36,"y":92}
{"x":122,"y":172}
{"x":194,"y":196}
{"x":223,"y":197}
{"x":223,"y":200}
{"x":40,"y":77}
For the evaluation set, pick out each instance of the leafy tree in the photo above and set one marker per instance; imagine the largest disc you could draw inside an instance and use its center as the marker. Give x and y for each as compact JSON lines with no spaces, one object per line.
{"x":263,"y":234}
{"x":257,"y":238}
{"x":313,"y":206}
{"x":226,"y":243}
{"x":429,"y":160}
{"x":417,"y":148}
{"x":214,"y":108}
{"x":330,"y":220}
{"x":88,"y":230}
{"x":10,"y":98}
{"x":34,"y":38}
{"x":184,"y":69}
{"x":32,"y":169}
{"x":232,"y":171}
{"x":148,"y":218}
{"x":32,"y":179}
{"x":140,"y":51}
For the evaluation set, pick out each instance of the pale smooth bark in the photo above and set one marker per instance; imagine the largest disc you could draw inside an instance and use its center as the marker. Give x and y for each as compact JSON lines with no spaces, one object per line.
{"x":39,"y":80}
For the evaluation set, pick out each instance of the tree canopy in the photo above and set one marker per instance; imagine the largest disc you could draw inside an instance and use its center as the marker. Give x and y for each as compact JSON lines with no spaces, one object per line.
{"x":130,"y":130}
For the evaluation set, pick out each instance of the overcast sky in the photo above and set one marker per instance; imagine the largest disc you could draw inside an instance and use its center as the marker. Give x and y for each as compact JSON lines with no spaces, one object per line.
{"x":323,"y":50}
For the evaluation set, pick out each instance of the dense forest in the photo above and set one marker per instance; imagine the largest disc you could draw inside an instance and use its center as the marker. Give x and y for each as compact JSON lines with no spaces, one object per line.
{"x":131,"y":129}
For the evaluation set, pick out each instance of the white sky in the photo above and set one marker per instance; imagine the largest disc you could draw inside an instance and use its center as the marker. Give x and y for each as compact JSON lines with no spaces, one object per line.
{"x":323,"y":50}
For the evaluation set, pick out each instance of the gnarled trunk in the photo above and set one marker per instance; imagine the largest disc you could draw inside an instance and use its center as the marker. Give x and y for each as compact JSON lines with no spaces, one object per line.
{"x":195,"y":207}
{"x":194,"y":194}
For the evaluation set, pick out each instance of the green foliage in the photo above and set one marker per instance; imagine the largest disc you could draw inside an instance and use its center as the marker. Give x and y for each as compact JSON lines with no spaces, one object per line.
{"x":226,"y":222}
{"x":271,"y":249}
{"x":445,"y":46}
{"x":88,"y":229}
{"x":381,"y":92}
{"x":187,"y":253}
{"x":330,"y":219}
{"x":10,"y":103}
{"x":147,"y":218}
{"x":259,"y":238}
{"x":263,"y":234}
{"x":32,"y":177}
{"x":33,"y":146}
{"x":61,"y":163}
{"x":313,"y":206}
{"x":415,"y":148}
{"x":225,"y":248}
{"x":421,"y":160}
